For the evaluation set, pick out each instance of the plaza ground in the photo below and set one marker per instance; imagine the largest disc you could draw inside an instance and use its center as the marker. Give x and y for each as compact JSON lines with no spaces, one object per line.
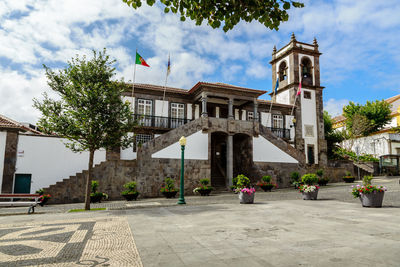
{"x":280,"y":229}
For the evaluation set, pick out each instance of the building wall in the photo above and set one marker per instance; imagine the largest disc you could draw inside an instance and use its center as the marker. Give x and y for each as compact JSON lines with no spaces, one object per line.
{"x":376,"y":145}
{"x":308,"y":119}
{"x":48,"y":160}
{"x":265,"y":151}
{"x":283,"y":97}
{"x":266,"y":119}
{"x":3,"y":136}
{"x":161,"y":108}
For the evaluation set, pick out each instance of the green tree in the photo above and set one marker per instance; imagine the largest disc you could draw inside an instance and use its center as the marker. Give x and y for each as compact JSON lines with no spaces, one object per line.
{"x":366,"y":119}
{"x":90,"y":112}
{"x":268,"y":12}
{"x":332,"y":137}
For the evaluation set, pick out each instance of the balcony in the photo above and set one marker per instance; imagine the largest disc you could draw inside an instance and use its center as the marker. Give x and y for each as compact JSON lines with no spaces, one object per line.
{"x":280,"y":132}
{"x":159,"y":122}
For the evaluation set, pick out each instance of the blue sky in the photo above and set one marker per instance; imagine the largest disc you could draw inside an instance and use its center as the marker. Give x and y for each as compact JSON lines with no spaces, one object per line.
{"x":359,"y":41}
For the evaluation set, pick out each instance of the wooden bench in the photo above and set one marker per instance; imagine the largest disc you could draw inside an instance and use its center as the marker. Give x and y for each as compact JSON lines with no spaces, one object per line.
{"x":31,"y":200}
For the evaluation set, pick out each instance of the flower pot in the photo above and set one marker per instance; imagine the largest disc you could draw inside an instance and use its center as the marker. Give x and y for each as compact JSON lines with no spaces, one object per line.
{"x":131,"y":196}
{"x":170,"y":194}
{"x":44,"y":201}
{"x":204,"y":192}
{"x":96,"y":198}
{"x":246,"y":198}
{"x":267,"y":187}
{"x":310,"y":195}
{"x":349,"y":179}
{"x":373,"y":200}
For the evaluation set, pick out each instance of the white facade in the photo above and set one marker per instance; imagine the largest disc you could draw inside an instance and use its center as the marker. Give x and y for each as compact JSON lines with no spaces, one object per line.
{"x":49,"y":161}
{"x":3,"y":136}
{"x":309,"y":122}
{"x":265,"y":151}
{"x":196,"y":148}
{"x":283,"y":97}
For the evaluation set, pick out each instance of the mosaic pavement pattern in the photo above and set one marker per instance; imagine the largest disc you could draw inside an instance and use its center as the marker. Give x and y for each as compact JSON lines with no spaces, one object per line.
{"x":105,"y":241}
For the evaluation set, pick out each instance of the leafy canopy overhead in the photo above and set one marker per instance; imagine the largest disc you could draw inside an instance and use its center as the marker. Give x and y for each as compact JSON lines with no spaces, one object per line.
{"x":90,"y":112}
{"x":229,"y":12}
{"x":368,"y":118}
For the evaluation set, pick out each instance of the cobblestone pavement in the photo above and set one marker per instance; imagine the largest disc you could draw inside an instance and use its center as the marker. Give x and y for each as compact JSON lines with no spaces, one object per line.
{"x":103,"y":241}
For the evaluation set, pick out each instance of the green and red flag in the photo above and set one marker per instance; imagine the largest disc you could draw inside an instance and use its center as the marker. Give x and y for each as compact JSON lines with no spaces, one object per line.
{"x":140,"y":60}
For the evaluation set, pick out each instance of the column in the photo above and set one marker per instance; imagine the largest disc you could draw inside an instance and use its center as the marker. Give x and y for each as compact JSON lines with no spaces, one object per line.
{"x":204,"y":105}
{"x":230,"y":108}
{"x":255,"y":109}
{"x":229,"y":160}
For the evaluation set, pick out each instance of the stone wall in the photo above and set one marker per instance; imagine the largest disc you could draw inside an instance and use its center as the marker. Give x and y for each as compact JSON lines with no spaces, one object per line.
{"x":10,"y":160}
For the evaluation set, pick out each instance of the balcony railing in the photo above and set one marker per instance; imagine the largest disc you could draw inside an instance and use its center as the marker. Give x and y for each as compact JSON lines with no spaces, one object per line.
{"x":280,"y":132}
{"x":159,"y":122}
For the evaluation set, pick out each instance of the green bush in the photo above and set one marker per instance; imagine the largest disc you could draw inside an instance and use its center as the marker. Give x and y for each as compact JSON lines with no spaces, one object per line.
{"x":309,"y":179}
{"x":169,"y":185}
{"x":95,"y":185}
{"x":266,"y":178}
{"x":242,"y":181}
{"x":348,"y":174}
{"x":131,"y":188}
{"x":295,"y":177}
{"x":320,"y":173}
{"x":367,"y":180}
{"x":40,"y":191}
{"x":205,"y":181}
{"x":341,"y":153}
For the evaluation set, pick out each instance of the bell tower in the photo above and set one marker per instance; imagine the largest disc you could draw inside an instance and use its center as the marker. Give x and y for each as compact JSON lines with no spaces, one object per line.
{"x":296,"y":63}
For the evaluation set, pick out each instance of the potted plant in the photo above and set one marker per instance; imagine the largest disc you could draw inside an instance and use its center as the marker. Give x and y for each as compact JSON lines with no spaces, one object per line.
{"x":321,"y":180}
{"x":348,"y":178}
{"x":204,"y":189}
{"x":131,"y":193}
{"x":308,"y":189}
{"x":266,"y":184}
{"x":43,"y":198}
{"x":245,"y":190}
{"x":295,"y":179}
{"x":233,"y":186}
{"x":96,"y":196}
{"x":169,"y":190}
{"x":370,"y":195}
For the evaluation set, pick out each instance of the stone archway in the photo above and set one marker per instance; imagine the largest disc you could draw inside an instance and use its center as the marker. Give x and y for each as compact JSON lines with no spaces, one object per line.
{"x":218,"y":159}
{"x":242,"y":154}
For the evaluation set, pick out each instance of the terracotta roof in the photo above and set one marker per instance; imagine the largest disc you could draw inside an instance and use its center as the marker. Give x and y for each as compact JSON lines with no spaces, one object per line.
{"x":11,"y":124}
{"x":392,"y":99}
{"x":227,"y":86}
{"x":338,"y":118}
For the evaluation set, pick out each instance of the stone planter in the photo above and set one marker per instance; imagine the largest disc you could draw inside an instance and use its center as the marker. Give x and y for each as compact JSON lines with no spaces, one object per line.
{"x":171,"y":194}
{"x":246,"y":198}
{"x":267,"y":188}
{"x":131,"y":196}
{"x":310,"y":195}
{"x":96,"y":197}
{"x":349,"y":179}
{"x":204,"y":192}
{"x":372,"y":200}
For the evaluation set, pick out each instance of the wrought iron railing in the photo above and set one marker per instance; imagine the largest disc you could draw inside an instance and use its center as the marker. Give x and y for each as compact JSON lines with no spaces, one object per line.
{"x":280,"y":132}
{"x":159,"y":122}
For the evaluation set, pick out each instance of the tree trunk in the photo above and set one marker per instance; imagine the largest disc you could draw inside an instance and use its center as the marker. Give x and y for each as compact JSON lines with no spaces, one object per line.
{"x":89,"y":180}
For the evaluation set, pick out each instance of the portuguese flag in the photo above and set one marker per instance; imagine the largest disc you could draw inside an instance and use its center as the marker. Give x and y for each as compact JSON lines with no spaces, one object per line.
{"x":140,"y":60}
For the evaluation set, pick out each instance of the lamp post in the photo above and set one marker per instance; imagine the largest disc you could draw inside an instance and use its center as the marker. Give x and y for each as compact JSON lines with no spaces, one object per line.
{"x":181,"y":199}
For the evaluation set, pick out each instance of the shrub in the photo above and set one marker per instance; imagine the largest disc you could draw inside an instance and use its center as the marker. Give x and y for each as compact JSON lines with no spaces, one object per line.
{"x":131,"y":188}
{"x":95,"y":185}
{"x":320,"y":173}
{"x":204,"y":185}
{"x":367,"y":180}
{"x":266,"y":179}
{"x":205,"y":181}
{"x":348,"y":174}
{"x":40,"y":191}
{"x":295,"y":177}
{"x":169,"y":185}
{"x":242,"y":181}
{"x":309,"y":179}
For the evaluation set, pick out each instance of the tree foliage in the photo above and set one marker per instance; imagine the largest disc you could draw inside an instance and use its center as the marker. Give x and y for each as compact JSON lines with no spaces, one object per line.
{"x":332,"y":137}
{"x":229,"y":12}
{"x":366,"y":119}
{"x":90,"y":112}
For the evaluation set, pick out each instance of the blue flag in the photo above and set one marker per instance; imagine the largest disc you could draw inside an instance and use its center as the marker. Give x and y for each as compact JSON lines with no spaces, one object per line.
{"x":276,"y":86}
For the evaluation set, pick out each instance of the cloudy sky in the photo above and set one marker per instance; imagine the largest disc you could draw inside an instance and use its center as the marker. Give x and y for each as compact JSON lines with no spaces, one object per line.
{"x":359,"y":41}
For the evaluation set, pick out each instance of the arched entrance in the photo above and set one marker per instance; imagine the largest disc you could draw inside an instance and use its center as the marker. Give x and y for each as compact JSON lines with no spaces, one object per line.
{"x":218,"y":159}
{"x":242,"y":154}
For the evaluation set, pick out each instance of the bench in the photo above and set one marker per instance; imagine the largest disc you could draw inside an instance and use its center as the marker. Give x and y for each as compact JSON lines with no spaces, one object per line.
{"x":31,"y":201}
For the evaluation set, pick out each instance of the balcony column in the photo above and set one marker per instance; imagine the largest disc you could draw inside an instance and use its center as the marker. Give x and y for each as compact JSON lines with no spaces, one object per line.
{"x":229,"y":160}
{"x":204,"y":105}
{"x":255,"y":103}
{"x":230,"y":108}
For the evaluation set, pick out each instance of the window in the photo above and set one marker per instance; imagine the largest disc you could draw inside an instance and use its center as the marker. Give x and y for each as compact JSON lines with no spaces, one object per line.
{"x":141,"y":139}
{"x":282,"y":71}
{"x":306,"y":67}
{"x":277,"y":121}
{"x":177,"y":115}
{"x":145,"y":107}
{"x":307,"y":94}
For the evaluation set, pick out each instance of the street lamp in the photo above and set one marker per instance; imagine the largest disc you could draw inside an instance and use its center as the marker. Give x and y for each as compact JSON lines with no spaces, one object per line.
{"x":181,"y":199}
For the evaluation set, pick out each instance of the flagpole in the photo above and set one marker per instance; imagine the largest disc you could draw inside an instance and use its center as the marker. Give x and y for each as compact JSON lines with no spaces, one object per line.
{"x":274,"y":95}
{"x":295,"y":98}
{"x":165,"y":88}
{"x":133,"y":83}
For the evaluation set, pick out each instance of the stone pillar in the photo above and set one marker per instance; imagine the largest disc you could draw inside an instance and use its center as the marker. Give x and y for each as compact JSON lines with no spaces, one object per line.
{"x":204,"y":105}
{"x":255,"y":109}
{"x":10,"y":161}
{"x":230,"y":108}
{"x":229,"y":160}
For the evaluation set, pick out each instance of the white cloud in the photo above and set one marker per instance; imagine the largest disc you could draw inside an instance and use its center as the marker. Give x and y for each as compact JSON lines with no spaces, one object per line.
{"x":335,"y":106}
